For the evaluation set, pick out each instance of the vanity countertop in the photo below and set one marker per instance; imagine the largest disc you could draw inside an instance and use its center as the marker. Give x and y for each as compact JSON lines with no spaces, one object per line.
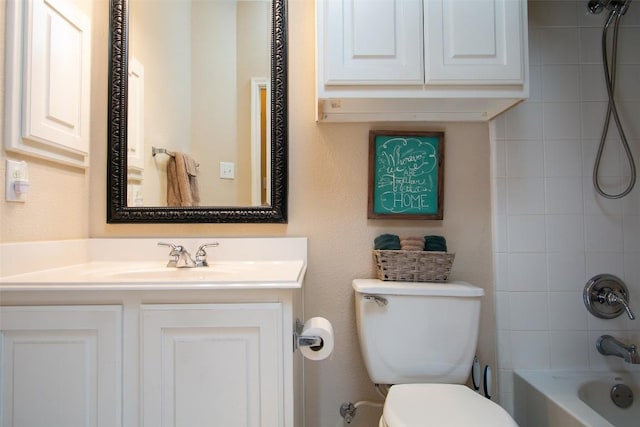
{"x":156,"y":276}
{"x":139,"y":264}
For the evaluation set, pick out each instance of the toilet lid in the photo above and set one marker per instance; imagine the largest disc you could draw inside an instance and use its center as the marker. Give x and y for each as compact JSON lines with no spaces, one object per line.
{"x":419,"y":405}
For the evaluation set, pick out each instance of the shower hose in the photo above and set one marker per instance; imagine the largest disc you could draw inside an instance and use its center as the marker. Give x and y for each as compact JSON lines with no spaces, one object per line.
{"x":610,"y":76}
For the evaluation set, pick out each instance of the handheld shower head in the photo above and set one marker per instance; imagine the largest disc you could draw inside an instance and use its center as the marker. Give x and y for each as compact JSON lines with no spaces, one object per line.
{"x":617,"y":6}
{"x":597,"y":6}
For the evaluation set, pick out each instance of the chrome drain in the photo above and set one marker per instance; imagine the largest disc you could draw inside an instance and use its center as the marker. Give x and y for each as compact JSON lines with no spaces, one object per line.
{"x":621,"y":395}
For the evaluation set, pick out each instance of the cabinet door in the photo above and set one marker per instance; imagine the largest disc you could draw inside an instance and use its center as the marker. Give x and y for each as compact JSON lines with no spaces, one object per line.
{"x":370,"y":42}
{"x":475,"y":41}
{"x":212,"y":365}
{"x":60,"y":366}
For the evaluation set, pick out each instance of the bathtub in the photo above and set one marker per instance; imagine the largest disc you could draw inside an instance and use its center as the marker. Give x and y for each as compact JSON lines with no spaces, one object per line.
{"x":567,"y":399}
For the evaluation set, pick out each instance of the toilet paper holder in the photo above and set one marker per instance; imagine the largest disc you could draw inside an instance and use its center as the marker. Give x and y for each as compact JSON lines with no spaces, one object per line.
{"x":303,"y":340}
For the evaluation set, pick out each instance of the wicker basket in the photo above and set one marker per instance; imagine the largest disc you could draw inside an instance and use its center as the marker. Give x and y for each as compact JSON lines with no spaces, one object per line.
{"x":413,"y":266}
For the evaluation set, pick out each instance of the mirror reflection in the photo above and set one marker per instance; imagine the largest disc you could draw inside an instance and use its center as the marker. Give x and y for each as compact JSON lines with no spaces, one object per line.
{"x":198,"y":128}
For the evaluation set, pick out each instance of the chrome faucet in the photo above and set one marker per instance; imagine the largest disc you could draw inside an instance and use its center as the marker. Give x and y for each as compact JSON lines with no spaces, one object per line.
{"x":180,"y":257}
{"x":201,"y":254}
{"x":609,"y":346}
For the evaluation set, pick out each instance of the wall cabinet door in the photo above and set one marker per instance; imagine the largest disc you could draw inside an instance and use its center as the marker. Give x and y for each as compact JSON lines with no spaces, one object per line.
{"x":416,"y":42}
{"x":61,"y":366}
{"x":474,"y":42}
{"x":212,"y":364}
{"x":371,"y":42}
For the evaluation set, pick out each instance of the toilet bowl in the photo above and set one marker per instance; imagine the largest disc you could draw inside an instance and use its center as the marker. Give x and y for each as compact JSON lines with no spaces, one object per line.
{"x":455,"y":405}
{"x":421,"y":338}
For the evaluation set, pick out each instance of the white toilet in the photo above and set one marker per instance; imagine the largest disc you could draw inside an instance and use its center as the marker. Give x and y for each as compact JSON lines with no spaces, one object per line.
{"x":421,"y":339}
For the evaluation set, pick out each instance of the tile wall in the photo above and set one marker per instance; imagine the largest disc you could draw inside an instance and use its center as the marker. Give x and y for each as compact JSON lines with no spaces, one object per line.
{"x":552,"y":232}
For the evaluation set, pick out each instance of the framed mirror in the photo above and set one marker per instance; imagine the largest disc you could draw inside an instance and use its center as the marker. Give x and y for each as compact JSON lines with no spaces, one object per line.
{"x":155,"y":145}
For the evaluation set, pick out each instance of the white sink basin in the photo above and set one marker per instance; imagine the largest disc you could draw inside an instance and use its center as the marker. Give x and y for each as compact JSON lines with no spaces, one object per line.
{"x":149,"y":275}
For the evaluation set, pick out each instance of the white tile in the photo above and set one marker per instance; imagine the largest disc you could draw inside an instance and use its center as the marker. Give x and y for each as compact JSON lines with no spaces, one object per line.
{"x":503,"y":315}
{"x":535,"y":83}
{"x":500,"y":233}
{"x":505,"y":379}
{"x":526,"y":233}
{"x":503,"y":340}
{"x":507,"y":403}
{"x":565,"y":233}
{"x":552,"y":14}
{"x":525,"y":196}
{"x":501,"y":265}
{"x":603,"y":233}
{"x":628,"y":52}
{"x":529,"y":311}
{"x":535,"y":46}
{"x":560,"y":83}
{"x":530,"y":350}
{"x":500,"y":196}
{"x":567,"y":311}
{"x":592,"y":83}
{"x":563,"y":158}
{"x":564,"y":195}
{"x":592,"y":121}
{"x":630,"y":115}
{"x":631,"y":234}
{"x":567,"y":271}
{"x":527,"y":272}
{"x":561,"y":120}
{"x":631,"y":202}
{"x":524,"y":121}
{"x":560,"y":46}
{"x":609,"y":160}
{"x":605,"y":262}
{"x":595,"y":204}
{"x":524,"y":158}
{"x":569,"y":350}
{"x":499,"y":161}
{"x":627,"y":82}
{"x":632,"y":274}
{"x":590,"y":40}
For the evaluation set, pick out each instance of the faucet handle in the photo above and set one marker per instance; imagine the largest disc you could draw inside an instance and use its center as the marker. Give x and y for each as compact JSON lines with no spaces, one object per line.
{"x":175,"y":253}
{"x":615,"y":297}
{"x":201,"y":254}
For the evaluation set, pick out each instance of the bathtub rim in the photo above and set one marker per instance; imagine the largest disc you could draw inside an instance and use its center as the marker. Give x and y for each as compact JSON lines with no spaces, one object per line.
{"x":566,"y":396}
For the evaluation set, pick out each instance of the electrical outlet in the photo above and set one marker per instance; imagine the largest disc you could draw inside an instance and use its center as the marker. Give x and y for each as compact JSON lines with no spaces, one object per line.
{"x":16,"y":181}
{"x":227,"y":170}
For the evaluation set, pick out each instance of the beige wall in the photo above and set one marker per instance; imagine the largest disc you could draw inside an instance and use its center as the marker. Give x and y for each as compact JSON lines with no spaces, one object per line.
{"x":327,"y":203}
{"x":58,"y":203}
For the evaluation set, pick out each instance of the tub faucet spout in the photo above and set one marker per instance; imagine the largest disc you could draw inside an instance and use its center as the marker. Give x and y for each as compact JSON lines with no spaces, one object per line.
{"x":609,"y":346}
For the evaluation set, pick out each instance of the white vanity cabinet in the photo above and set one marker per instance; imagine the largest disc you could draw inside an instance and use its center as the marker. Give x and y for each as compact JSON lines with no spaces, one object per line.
{"x":61,"y":366}
{"x":167,"y":358}
{"x":212,"y":364}
{"x":420,"y":59}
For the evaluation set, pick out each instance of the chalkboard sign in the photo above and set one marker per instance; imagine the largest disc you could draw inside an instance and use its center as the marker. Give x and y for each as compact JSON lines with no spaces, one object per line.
{"x":406,"y":171}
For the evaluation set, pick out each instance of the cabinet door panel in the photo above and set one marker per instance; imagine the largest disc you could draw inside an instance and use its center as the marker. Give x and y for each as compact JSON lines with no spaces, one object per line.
{"x":371,"y":41}
{"x":212,"y":364}
{"x":60,"y":366}
{"x":474,"y":41}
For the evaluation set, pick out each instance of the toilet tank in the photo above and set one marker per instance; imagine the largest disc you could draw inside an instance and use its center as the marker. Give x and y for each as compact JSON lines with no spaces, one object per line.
{"x":417,"y":332}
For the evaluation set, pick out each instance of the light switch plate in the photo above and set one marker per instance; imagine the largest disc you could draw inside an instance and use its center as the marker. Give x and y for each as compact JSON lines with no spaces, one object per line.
{"x":227,"y":170}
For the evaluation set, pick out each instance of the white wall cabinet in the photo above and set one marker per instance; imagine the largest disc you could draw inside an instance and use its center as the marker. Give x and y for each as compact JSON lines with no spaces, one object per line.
{"x":60,"y":366}
{"x":420,"y":59}
{"x":48,"y":82}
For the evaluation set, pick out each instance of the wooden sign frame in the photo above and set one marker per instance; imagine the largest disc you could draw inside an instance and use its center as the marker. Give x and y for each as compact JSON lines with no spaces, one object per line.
{"x":406,"y":175}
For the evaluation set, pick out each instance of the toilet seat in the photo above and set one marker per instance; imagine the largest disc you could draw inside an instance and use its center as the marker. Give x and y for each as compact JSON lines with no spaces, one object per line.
{"x":455,"y":405}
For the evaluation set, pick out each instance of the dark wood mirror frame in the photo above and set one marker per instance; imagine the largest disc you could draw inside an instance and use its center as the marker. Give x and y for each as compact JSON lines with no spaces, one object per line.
{"x":117,"y":209}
